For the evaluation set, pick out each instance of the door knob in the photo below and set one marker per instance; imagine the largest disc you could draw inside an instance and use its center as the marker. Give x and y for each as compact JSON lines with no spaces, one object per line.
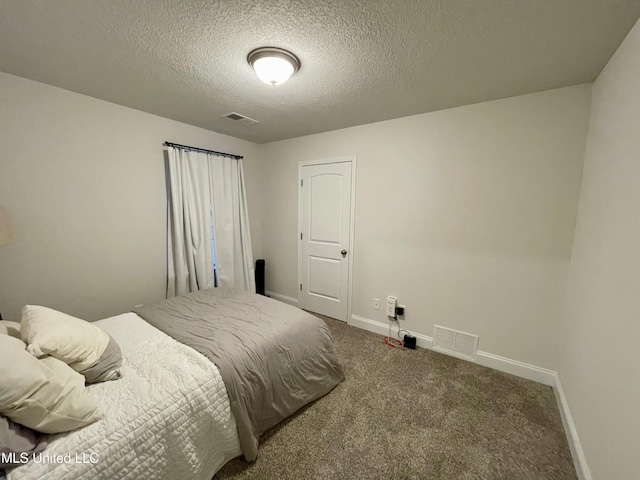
{"x":344,"y":253}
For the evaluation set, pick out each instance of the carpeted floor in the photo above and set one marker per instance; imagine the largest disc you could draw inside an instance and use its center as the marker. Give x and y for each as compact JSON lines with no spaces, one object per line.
{"x":404,"y":414}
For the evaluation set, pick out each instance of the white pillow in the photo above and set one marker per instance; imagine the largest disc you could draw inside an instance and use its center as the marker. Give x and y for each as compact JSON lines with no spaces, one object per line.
{"x":45,"y":395}
{"x":76,"y":342}
{"x":10,"y":328}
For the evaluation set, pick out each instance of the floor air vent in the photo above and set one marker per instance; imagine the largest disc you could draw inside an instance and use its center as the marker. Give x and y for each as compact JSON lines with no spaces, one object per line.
{"x":453,"y":342}
{"x":236,"y":117}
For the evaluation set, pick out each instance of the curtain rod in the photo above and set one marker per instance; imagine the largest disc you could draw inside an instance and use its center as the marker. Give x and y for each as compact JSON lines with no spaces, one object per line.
{"x":203,"y":150}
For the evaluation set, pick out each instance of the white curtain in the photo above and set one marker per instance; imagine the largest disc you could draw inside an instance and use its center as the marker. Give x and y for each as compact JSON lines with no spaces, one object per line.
{"x":231,"y":235}
{"x":203,"y":186}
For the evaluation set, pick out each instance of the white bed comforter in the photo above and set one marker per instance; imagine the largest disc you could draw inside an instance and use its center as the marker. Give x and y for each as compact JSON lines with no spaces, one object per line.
{"x":168,"y":418}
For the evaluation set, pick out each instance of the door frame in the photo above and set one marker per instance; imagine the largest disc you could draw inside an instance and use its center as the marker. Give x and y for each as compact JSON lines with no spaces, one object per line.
{"x":324,"y":161}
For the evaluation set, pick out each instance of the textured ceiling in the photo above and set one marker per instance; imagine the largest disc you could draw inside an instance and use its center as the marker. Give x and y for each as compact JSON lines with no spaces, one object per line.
{"x":362,"y":60}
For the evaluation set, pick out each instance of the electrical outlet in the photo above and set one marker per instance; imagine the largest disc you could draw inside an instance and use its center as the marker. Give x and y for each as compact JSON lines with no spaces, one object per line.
{"x":376,"y":304}
{"x":404,"y":311}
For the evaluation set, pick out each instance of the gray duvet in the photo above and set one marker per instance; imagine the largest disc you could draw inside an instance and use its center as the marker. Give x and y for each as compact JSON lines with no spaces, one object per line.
{"x":273,"y":358}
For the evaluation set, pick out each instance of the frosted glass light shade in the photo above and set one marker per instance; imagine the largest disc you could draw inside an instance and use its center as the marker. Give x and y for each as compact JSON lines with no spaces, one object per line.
{"x":273,"y":66}
{"x":273,"y":70}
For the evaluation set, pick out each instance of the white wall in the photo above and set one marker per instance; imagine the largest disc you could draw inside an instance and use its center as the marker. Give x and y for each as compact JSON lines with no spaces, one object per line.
{"x":84,"y":183}
{"x":482,"y":200}
{"x":466,"y":215}
{"x":600,"y":358}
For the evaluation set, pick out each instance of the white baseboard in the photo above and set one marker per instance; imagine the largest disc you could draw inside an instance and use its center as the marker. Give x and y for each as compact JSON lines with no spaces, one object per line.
{"x":507,"y":365}
{"x":513,"y":367}
{"x":283,"y":298}
{"x":383,"y":329}
{"x":579,"y":459}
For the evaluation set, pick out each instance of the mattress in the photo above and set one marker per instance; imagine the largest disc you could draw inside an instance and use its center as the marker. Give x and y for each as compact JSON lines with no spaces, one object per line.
{"x":169,"y":416}
{"x":273,"y":358}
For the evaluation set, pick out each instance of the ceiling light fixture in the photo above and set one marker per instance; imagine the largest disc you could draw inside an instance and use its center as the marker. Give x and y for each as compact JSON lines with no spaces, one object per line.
{"x":273,"y":65}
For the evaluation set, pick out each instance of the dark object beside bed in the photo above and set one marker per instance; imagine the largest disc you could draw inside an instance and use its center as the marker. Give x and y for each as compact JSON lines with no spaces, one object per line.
{"x":260,"y":266}
{"x":273,"y":358}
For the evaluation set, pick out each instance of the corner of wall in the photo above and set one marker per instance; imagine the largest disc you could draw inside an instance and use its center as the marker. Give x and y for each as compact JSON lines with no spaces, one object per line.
{"x":577,"y":453}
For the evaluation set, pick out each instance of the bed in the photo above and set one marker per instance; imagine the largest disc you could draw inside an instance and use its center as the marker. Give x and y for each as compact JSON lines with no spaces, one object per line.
{"x":205,"y":375}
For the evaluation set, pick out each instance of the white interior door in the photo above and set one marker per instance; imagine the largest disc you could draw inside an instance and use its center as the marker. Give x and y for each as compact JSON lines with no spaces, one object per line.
{"x":325,"y":221}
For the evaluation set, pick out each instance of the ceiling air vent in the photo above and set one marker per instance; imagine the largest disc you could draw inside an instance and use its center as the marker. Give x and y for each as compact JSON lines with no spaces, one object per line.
{"x":236,"y":117}
{"x":456,"y":343}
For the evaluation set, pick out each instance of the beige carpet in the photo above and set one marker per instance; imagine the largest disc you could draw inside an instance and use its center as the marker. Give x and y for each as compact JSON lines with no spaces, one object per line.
{"x":404,"y":414}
